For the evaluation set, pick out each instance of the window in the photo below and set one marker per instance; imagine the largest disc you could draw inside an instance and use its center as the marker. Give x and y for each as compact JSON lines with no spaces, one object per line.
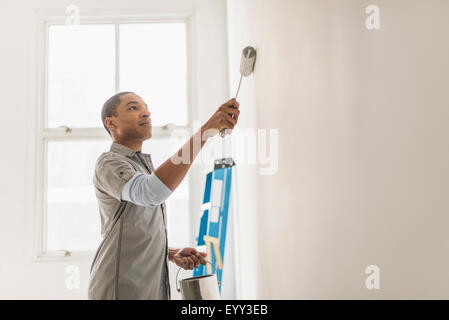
{"x":87,"y":64}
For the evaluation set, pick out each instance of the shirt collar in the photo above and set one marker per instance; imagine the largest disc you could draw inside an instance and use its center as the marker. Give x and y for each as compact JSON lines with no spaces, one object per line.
{"x":124,"y":150}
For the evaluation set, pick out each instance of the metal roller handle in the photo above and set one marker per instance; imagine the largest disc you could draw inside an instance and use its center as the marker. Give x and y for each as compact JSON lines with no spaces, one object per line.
{"x":223,"y":132}
{"x":246,"y":68}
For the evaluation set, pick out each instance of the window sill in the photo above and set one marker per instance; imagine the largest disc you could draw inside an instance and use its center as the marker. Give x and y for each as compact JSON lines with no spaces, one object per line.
{"x":64,"y":256}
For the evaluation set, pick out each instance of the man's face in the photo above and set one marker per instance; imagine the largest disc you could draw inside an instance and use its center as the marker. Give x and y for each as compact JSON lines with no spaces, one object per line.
{"x":133,"y":121}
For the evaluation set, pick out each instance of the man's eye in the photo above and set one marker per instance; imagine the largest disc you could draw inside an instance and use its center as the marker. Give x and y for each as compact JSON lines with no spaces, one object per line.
{"x":133,"y":107}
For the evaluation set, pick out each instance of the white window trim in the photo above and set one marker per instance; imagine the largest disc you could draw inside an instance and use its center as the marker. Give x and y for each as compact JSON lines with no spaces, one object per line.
{"x":44,"y":135}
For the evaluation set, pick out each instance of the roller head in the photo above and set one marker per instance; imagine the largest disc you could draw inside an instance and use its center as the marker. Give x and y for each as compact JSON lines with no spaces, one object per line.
{"x":248,"y":61}
{"x":246,"y":68}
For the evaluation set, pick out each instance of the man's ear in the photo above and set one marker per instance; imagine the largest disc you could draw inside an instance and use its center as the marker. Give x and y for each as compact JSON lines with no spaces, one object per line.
{"x":109,"y":124}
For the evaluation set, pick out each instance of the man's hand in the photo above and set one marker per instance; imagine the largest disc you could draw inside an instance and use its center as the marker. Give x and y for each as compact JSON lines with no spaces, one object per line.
{"x":226,"y":117}
{"x":189,"y":258}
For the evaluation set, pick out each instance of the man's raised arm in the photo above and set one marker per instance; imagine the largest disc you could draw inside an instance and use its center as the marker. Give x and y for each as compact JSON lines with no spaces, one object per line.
{"x":173,"y":171}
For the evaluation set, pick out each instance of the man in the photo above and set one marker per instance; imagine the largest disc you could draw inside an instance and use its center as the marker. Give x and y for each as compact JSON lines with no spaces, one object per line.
{"x":132,"y":260}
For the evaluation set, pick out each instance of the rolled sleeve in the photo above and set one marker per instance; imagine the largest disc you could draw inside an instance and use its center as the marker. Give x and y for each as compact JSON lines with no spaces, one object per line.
{"x":145,"y":190}
{"x":162,"y":191}
{"x":111,"y":174}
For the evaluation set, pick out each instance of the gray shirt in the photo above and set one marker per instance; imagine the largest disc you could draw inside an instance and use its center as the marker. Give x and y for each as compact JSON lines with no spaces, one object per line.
{"x":132,"y":260}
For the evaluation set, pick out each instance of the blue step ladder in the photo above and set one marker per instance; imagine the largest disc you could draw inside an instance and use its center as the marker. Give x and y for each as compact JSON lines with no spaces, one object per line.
{"x":214,"y":219}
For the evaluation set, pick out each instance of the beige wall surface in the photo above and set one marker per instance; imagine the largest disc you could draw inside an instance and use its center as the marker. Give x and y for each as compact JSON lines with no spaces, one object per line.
{"x":363,"y":119}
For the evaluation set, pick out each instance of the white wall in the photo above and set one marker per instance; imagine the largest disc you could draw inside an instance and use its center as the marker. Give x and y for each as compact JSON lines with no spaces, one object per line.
{"x":363,"y":160}
{"x":20,"y":276}
{"x":240,"y":35}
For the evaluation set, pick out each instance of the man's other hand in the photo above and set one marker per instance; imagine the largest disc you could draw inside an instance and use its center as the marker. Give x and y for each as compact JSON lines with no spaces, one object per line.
{"x":189,"y":258}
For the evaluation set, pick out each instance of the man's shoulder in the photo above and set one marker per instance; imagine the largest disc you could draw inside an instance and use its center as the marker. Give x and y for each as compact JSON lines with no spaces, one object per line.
{"x":111,"y":161}
{"x":108,"y":157}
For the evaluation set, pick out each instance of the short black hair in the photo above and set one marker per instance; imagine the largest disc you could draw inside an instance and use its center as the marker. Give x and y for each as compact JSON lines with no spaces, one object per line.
{"x":110,"y":107}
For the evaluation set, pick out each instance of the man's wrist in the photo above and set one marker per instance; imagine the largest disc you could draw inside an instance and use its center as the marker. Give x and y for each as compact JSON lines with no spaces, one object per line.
{"x":171,"y":253}
{"x":207,"y":131}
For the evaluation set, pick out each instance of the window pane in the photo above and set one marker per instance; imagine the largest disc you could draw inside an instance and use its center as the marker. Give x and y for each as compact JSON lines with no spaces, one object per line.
{"x":73,"y":220}
{"x":178,"y":207}
{"x":81,"y":74}
{"x":153,"y":65}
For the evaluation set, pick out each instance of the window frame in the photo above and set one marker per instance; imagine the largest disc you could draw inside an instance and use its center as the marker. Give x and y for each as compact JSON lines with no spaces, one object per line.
{"x":44,"y":134}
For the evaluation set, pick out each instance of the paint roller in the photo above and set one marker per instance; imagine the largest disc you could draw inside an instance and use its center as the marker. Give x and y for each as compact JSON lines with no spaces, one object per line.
{"x":247,"y":64}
